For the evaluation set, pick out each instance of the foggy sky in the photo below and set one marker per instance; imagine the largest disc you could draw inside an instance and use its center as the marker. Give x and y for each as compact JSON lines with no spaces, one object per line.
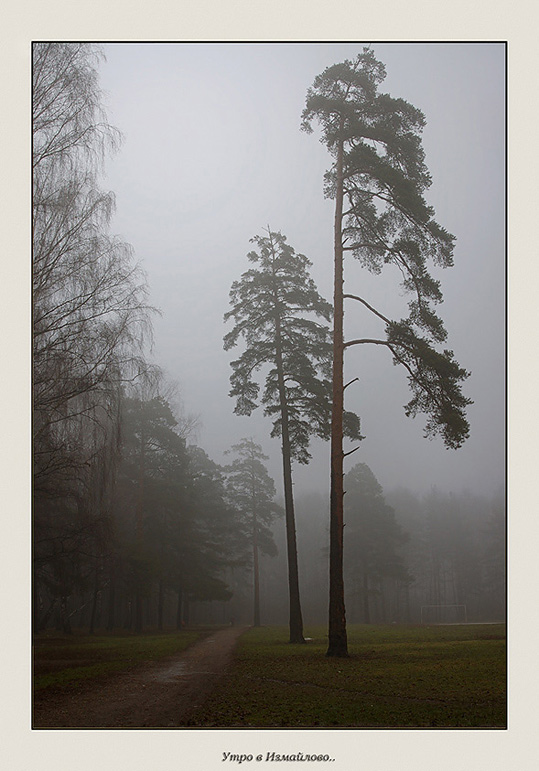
{"x":213,"y":154}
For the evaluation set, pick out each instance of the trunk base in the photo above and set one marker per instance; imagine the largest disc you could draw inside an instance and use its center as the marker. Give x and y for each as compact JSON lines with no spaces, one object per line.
{"x":338,"y":646}
{"x":338,"y":652}
{"x":297,"y":640}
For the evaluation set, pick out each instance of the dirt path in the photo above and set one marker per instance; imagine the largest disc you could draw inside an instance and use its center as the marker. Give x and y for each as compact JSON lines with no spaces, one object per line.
{"x":160,"y":695}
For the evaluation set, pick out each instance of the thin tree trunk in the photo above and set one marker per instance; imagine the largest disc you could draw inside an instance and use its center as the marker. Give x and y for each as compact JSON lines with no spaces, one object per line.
{"x":36,"y":605}
{"x":366,"y":607}
{"x":179,"y":609}
{"x":382,"y":602}
{"x":128,"y":622}
{"x":295,"y":616}
{"x":146,"y":611}
{"x":94,"y":602}
{"x":111,"y":617}
{"x":138,"y":522}
{"x":160,"y":602}
{"x":64,"y":616}
{"x":338,"y":644}
{"x":186,"y":611}
{"x":42,"y":623}
{"x":256,"y":579}
{"x":138,"y":612}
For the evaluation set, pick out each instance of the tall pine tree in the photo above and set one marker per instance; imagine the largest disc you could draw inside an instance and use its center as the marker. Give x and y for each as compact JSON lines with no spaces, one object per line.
{"x":283,"y":319}
{"x":377,"y":180}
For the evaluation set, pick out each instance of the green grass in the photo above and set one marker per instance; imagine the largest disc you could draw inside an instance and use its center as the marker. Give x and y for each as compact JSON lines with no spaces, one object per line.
{"x":452,"y":676}
{"x":65,"y":661}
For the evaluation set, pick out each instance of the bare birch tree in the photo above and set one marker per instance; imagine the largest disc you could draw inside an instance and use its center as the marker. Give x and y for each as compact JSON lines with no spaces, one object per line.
{"x":90,"y":314}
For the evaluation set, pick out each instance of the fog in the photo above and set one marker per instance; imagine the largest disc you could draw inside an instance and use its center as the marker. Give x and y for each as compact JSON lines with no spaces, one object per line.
{"x":213,"y":154}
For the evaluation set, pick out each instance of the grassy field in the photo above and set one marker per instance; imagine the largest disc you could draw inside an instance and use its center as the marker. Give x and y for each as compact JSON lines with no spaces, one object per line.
{"x":65,"y":661}
{"x":440,"y":676}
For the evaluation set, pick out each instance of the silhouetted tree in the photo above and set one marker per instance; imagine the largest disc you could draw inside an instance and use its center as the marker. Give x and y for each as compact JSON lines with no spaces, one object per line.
{"x":278,"y":311}
{"x":89,"y":299}
{"x":251,"y":491}
{"x":377,"y":180}
{"x":89,"y":317}
{"x":177,"y":529}
{"x":218,"y":541}
{"x":151,"y":492}
{"x":373,"y":538}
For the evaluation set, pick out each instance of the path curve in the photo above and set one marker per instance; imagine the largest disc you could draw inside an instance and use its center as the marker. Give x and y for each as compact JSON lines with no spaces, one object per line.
{"x":160,"y":695}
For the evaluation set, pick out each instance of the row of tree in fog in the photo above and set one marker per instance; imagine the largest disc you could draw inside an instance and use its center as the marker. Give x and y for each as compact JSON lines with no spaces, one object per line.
{"x":407,"y":558}
{"x":119,"y":500}
{"x":186,"y":540}
{"x":175,"y":525}
{"x":121,"y":505}
{"x":135,"y":526}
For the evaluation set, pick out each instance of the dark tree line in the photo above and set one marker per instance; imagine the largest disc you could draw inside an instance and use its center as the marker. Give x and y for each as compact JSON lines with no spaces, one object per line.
{"x":173,"y":527}
{"x":372,"y":555}
{"x":90,"y":319}
{"x":456,"y":554}
{"x":403,"y":553}
{"x":423,"y":559}
{"x":177,"y":529}
{"x":126,"y":516}
{"x":251,"y":491}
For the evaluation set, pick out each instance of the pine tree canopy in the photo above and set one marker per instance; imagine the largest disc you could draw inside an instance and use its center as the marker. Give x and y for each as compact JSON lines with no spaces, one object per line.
{"x":380,"y":170}
{"x":373,"y":534}
{"x":283,"y":320}
{"x":251,"y":491}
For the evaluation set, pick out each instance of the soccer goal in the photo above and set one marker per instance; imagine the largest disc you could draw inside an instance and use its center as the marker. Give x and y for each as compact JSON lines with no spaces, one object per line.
{"x":444,"y":614}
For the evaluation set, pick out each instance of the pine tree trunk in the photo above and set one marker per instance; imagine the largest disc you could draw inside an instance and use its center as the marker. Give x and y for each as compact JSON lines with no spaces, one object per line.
{"x":295,"y":619}
{"x":295,"y":616}
{"x":338,"y":645}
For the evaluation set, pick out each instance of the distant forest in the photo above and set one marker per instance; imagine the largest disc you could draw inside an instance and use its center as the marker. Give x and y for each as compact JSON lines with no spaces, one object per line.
{"x":402,"y":553}
{"x":166,"y":546}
